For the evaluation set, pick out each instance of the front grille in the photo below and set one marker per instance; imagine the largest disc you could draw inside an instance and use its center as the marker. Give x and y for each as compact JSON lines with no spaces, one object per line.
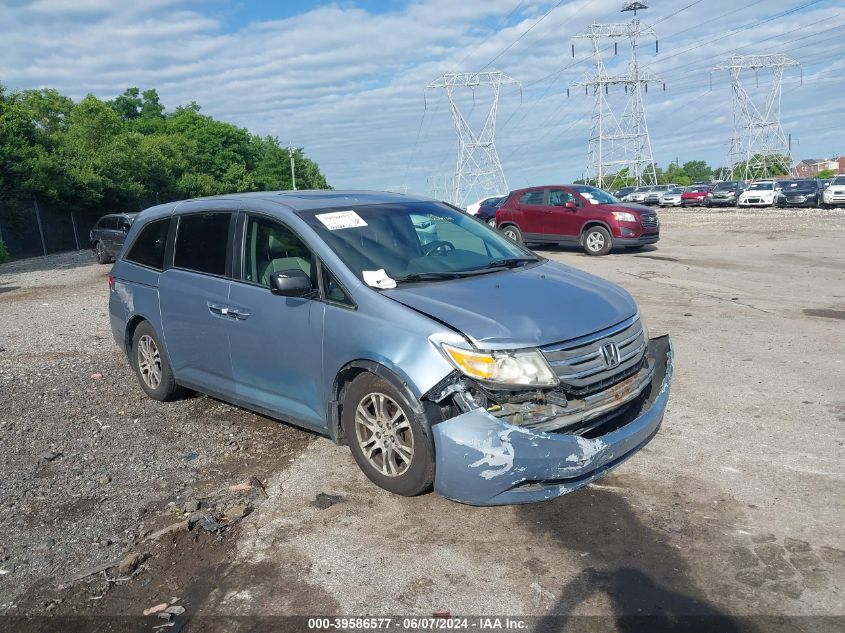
{"x":580,"y":363}
{"x":648,"y":220}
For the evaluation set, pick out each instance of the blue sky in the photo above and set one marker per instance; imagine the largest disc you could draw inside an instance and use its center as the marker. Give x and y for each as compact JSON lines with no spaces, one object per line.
{"x":346,"y":79}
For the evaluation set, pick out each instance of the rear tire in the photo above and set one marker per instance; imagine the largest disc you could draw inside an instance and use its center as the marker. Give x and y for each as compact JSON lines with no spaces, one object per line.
{"x":596,"y":241}
{"x":101,"y":254}
{"x":512,"y":231}
{"x":151,"y":365}
{"x":390,"y":442}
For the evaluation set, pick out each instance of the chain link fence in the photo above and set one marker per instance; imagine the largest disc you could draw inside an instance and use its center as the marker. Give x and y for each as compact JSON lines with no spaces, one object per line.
{"x":31,"y":228}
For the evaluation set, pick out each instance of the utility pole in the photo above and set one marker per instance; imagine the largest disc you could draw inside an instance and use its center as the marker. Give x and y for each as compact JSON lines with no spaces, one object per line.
{"x":478,"y":170}
{"x":618,"y":142}
{"x":292,"y":150}
{"x":758,"y":142}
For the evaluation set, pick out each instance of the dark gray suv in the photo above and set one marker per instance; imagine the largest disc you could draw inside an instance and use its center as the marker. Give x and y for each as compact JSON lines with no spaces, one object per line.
{"x":108,"y":235}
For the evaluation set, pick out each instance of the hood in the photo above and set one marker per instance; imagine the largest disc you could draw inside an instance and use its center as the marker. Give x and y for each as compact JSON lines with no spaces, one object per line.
{"x":523,"y":307}
{"x":627,"y":206}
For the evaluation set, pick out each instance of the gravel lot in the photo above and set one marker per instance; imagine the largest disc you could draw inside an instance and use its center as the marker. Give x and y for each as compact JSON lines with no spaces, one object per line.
{"x":735,"y":509}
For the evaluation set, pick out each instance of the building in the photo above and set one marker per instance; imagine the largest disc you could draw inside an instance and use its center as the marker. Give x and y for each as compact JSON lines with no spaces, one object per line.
{"x":811,"y":167}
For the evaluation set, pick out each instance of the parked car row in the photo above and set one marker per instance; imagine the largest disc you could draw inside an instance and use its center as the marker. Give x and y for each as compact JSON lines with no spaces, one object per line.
{"x":762,"y":193}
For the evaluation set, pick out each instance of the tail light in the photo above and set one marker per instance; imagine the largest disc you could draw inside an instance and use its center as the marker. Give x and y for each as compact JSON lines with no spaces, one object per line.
{"x":111,"y":282}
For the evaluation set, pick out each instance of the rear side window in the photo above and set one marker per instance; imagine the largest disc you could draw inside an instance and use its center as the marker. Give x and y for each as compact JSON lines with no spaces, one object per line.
{"x":148,"y":249}
{"x":107,"y":223}
{"x":201,"y":242}
{"x":532,"y":197}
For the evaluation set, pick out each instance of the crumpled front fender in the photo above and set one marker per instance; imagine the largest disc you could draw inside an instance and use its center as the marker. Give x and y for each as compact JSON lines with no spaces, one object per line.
{"x":481,"y":460}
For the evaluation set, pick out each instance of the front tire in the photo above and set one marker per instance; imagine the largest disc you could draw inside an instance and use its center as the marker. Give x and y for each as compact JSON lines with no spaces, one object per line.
{"x":390,"y":442}
{"x":512,"y":231}
{"x":101,"y":254}
{"x":151,"y":365}
{"x":597,"y":241}
{"x":491,"y":223}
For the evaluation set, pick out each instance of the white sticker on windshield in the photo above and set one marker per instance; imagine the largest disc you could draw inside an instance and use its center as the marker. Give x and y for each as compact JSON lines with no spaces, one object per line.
{"x":341,"y":220}
{"x":378,"y":279}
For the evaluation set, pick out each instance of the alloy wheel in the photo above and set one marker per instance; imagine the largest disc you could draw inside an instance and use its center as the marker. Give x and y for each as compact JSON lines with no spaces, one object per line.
{"x":384,"y":434}
{"x":149,"y":362}
{"x":595,"y":242}
{"x":511,"y":234}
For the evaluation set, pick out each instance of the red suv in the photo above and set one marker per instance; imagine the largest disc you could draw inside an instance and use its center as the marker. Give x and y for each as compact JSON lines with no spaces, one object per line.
{"x":576,"y":214}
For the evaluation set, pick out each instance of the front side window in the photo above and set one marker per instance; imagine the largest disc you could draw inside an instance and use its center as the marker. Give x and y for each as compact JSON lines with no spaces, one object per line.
{"x":559,"y":197}
{"x":414,"y":241}
{"x":202,"y":242}
{"x":272,"y":247}
{"x":332,"y":290}
{"x":148,"y":248}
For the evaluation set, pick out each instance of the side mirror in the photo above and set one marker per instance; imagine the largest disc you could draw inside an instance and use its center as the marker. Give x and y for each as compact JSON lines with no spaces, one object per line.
{"x":570,"y":205}
{"x":290,"y":283}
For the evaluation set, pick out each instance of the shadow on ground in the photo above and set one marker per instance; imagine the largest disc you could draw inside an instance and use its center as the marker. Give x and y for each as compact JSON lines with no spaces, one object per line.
{"x":646,"y":581}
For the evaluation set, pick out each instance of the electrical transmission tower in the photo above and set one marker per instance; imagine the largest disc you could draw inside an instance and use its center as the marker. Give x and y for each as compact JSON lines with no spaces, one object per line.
{"x":478,"y":170}
{"x":619,"y":142}
{"x":758,"y":145}
{"x":440,"y":186}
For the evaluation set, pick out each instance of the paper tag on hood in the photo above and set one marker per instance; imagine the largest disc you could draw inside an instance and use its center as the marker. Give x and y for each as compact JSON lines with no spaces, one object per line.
{"x":378,"y":279}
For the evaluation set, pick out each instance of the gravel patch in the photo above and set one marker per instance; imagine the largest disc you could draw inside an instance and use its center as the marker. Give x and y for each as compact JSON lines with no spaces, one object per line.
{"x":89,"y":464}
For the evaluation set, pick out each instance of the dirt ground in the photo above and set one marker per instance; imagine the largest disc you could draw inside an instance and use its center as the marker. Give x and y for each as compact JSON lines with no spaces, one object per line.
{"x":733,"y":514}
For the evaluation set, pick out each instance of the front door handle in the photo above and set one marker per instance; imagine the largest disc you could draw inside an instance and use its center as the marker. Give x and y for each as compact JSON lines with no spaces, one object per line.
{"x":240,"y":313}
{"x":219,"y":308}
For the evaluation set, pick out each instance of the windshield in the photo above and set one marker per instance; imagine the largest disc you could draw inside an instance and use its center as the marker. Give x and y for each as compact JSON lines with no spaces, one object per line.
{"x":800,"y":185}
{"x":725,"y":186}
{"x":762,"y":186}
{"x":675,"y":192}
{"x":595,"y":196}
{"x":413,"y":241}
{"x":839,"y":180}
{"x":698,"y":189}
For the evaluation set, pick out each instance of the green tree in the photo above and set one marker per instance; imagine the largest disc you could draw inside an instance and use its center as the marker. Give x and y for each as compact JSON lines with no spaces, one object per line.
{"x":826,"y":173}
{"x":698,"y":171}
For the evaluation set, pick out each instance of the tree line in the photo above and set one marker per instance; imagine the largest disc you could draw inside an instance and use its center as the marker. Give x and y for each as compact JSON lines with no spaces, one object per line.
{"x":128,"y":153}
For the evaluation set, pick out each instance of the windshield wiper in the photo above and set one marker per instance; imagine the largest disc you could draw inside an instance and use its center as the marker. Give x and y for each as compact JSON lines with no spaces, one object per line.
{"x":429,"y":276}
{"x":511,"y":262}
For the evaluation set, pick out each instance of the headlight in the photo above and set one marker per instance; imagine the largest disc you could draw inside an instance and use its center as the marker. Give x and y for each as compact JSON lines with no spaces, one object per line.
{"x":709,"y":195}
{"x":623,"y":216}
{"x":523,"y":368}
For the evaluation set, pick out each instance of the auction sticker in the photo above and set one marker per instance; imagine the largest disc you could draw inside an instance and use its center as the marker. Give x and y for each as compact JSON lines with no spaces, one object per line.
{"x":341,"y":220}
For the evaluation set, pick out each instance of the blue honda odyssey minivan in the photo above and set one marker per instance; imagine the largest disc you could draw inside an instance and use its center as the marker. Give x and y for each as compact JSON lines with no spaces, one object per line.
{"x":442,"y":353}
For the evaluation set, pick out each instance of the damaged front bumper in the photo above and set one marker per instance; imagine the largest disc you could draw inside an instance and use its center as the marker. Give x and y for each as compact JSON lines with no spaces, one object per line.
{"x":482,"y":460}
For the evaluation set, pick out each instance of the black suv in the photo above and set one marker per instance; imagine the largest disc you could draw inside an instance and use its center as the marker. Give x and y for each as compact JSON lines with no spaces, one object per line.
{"x":799,"y":193}
{"x":108,"y":234}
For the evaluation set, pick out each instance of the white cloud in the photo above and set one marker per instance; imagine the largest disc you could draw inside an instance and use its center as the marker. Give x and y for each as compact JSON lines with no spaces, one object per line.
{"x":348,"y":84}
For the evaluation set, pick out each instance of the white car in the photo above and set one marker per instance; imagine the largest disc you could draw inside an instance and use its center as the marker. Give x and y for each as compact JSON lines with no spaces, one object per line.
{"x":834,"y":195}
{"x":758,"y":194}
{"x":473,"y":208}
{"x":671,"y":198}
{"x":637,"y":195}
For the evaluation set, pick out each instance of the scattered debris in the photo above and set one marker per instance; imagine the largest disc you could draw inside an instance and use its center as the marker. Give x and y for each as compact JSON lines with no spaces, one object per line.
{"x":441,"y":614}
{"x":130,"y":564}
{"x":241,"y":487}
{"x":192,"y":505}
{"x":105,"y":479}
{"x":50,"y":455}
{"x":91,"y":571}
{"x":256,"y":482}
{"x":323,"y":500}
{"x":3,"y":572}
{"x":156,"y":608}
{"x":174,"y":527}
{"x":96,"y":376}
{"x":175,"y":610}
{"x":208,"y":524}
